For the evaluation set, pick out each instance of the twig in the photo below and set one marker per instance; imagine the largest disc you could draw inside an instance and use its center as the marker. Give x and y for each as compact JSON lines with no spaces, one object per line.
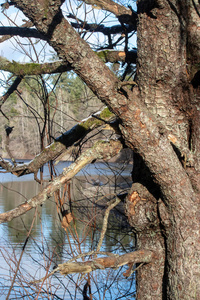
{"x":112,"y":204}
{"x":100,"y":150}
{"x":113,"y":261}
{"x":24,"y":246}
{"x":70,"y":261}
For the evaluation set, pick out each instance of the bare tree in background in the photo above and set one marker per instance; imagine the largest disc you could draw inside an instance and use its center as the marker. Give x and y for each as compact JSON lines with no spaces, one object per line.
{"x":156,"y":113}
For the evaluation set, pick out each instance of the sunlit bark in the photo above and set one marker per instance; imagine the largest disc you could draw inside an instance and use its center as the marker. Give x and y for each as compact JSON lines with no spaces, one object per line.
{"x":159,"y":120}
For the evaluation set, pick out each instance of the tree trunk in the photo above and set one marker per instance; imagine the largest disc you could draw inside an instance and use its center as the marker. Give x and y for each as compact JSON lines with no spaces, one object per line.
{"x":166,"y":90}
{"x":160,"y":121}
{"x":142,"y":212}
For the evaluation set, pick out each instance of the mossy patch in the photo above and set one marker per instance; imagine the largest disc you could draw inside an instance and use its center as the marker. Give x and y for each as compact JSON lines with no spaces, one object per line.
{"x":106,"y":114}
{"x":23,"y":69}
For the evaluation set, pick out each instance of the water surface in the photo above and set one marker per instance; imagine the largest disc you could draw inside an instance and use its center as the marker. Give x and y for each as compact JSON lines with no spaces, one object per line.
{"x":50,"y":245}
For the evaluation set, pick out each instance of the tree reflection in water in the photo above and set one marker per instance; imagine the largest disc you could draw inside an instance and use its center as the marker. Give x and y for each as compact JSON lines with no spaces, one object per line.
{"x":63,"y":231}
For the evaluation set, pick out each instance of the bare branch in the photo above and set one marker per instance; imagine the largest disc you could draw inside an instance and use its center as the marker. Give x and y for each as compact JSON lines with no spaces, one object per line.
{"x":111,"y":205}
{"x":111,"y":261}
{"x":116,"y":29}
{"x":22,"y":69}
{"x":22,"y":31}
{"x":110,"y":6}
{"x":27,"y":24}
{"x":64,"y":141}
{"x":115,"y":261}
{"x":11,"y":89}
{"x":100,"y":150}
{"x":114,"y":56}
{"x":124,"y":15}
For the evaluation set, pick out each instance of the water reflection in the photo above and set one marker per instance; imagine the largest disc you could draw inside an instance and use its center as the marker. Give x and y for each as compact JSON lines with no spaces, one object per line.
{"x":50,"y":245}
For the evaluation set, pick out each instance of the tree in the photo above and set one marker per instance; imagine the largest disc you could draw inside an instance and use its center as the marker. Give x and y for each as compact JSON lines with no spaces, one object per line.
{"x":158,"y":118}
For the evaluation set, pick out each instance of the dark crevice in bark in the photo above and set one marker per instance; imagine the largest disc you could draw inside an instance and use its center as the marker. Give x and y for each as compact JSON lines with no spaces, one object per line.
{"x":196,"y":80}
{"x":196,"y":8}
{"x":57,"y":19}
{"x":178,"y":153}
{"x":165,"y":271}
{"x":165,"y":275}
{"x":190,"y":135}
{"x":176,"y":11}
{"x":142,"y":174}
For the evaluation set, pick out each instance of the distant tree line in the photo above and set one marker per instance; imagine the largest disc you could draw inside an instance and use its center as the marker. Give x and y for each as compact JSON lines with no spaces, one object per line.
{"x":42,"y":108}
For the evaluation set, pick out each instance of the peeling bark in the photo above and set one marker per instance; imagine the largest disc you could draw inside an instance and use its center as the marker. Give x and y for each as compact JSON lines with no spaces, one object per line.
{"x":112,"y":261}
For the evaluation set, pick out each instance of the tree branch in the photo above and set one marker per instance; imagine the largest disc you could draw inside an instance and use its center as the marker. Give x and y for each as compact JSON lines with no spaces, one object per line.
{"x":64,"y":141}
{"x":114,"y":261}
{"x":11,"y":89}
{"x":114,"y":56}
{"x":22,"y":69}
{"x":111,"y":205}
{"x":124,"y":15}
{"x":116,"y":29}
{"x":27,"y":24}
{"x":110,"y":6}
{"x":100,"y":150}
{"x":22,"y":31}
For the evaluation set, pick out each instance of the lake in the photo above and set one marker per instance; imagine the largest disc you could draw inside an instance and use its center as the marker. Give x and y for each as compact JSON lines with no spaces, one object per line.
{"x":49,"y":244}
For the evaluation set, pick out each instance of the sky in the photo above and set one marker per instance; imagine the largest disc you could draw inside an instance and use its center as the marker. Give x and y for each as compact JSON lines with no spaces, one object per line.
{"x":19,"y":49}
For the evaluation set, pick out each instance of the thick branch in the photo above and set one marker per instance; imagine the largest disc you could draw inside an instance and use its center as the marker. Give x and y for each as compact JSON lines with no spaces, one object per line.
{"x":114,"y":261}
{"x":111,"y":261}
{"x":101,"y":150}
{"x":125,"y":15}
{"x":22,"y":69}
{"x":116,"y":29}
{"x":64,"y":141}
{"x":27,"y":24}
{"x":22,"y":31}
{"x":110,"y":6}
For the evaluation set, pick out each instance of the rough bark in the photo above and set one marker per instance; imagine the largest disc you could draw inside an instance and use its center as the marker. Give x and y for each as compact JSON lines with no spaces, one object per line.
{"x":160,"y":121}
{"x":164,"y":82}
{"x":142,"y":212}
